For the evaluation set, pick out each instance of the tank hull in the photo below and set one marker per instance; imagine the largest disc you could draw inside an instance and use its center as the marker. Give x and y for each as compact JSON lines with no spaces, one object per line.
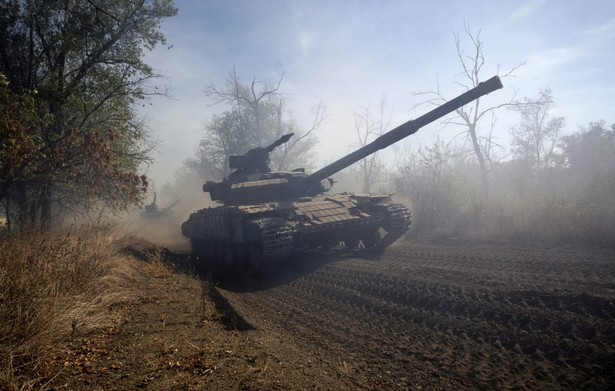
{"x":261,"y":236}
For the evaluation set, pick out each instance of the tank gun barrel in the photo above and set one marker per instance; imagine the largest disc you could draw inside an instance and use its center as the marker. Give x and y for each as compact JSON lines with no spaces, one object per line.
{"x":279,"y":142}
{"x":405,"y":130}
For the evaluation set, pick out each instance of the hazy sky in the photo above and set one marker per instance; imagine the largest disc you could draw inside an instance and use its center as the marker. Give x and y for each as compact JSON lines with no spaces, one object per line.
{"x":351,"y":53}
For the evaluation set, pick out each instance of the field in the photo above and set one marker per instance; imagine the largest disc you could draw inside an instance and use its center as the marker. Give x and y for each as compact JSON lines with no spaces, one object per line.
{"x":421,"y":316}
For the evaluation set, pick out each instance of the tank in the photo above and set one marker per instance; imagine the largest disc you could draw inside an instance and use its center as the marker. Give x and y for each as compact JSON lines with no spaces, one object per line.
{"x":264,"y":216}
{"x":153,"y":211}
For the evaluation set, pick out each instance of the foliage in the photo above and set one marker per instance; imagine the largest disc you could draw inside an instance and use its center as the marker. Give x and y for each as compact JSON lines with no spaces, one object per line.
{"x":568,"y":201}
{"x":534,"y":139}
{"x":428,"y":179}
{"x":590,"y":152}
{"x":257,"y":116}
{"x":81,"y":65}
{"x":18,"y":144}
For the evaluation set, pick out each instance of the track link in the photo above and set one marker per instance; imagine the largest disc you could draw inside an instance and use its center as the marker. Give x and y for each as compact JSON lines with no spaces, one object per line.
{"x":275,"y":245}
{"x":396,"y":222}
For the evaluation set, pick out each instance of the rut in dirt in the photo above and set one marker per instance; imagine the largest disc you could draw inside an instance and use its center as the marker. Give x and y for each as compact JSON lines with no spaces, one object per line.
{"x":473,"y":317}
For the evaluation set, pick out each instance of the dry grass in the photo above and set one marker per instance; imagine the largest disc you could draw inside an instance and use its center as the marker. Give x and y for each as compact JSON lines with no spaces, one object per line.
{"x":156,"y":265}
{"x":51,"y":287}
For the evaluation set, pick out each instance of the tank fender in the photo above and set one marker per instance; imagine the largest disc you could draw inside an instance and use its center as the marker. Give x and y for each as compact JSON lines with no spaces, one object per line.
{"x":245,"y":210}
{"x":365,"y":202}
{"x":373,"y":197}
{"x":345,"y":199}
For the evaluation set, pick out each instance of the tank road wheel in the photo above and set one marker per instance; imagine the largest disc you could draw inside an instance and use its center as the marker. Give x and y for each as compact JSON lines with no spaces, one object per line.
{"x":370,"y":240}
{"x":353,"y":243}
{"x":270,"y":243}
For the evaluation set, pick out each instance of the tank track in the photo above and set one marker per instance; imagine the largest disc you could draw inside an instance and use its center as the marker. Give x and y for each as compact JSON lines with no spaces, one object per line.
{"x":396,"y":223}
{"x":276,"y":243}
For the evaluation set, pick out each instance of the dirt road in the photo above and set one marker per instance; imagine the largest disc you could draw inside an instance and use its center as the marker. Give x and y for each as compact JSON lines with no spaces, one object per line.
{"x":421,"y":316}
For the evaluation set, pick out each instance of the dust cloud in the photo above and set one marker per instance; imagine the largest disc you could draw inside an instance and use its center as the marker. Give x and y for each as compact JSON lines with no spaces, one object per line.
{"x":162,"y":227}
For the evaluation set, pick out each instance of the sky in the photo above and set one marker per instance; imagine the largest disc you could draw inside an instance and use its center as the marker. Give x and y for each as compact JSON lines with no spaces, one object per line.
{"x":351,"y":53}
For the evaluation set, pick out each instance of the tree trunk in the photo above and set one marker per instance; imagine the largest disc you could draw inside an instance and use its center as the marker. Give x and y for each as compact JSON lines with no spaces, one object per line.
{"x":45,"y":204}
{"x":484,"y":176}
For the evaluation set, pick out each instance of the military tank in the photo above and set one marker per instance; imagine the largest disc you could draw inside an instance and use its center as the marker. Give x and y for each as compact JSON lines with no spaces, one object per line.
{"x":265,"y":216}
{"x":153,"y":211}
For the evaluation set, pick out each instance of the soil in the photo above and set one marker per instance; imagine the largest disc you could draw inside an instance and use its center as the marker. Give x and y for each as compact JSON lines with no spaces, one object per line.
{"x":420,"y":316}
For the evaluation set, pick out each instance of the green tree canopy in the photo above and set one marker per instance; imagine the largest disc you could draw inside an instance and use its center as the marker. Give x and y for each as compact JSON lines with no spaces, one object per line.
{"x":81,"y":63}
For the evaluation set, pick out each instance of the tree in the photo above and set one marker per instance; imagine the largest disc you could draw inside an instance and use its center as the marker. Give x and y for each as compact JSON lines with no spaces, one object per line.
{"x":591,"y":150}
{"x":257,"y":116}
{"x":428,"y":179}
{"x":367,"y":128}
{"x":18,"y":146}
{"x":471,"y":115}
{"x":82,"y":63}
{"x":225,"y":135}
{"x":535,"y":138}
{"x":589,"y":157}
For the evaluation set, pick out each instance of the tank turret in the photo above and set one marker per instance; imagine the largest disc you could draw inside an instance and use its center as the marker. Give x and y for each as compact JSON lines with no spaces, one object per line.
{"x":153,"y":211}
{"x":257,"y":159}
{"x":268,"y":215}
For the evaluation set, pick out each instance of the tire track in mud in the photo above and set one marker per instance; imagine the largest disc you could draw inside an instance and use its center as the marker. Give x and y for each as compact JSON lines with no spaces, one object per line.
{"x":461,"y":317}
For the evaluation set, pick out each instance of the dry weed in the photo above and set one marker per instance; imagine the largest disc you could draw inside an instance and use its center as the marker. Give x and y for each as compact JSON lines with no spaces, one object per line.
{"x":51,"y":287}
{"x":156,"y":265}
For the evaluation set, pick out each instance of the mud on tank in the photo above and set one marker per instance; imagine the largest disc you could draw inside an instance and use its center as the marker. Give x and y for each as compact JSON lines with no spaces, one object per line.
{"x":266,"y":216}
